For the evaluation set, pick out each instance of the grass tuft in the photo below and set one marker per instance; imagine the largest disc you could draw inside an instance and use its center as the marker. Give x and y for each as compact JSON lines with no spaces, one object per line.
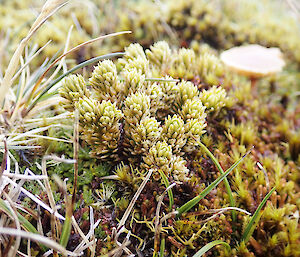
{"x":190,"y":204}
{"x":255,"y":218}
{"x":227,"y":186}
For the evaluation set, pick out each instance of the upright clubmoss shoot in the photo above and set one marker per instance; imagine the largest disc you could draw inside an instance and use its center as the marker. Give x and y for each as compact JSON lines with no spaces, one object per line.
{"x":73,"y":88}
{"x":214,"y":98}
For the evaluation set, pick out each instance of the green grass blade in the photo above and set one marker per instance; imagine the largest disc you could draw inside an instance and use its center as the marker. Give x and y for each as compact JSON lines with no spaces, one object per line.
{"x":24,"y":222}
{"x":35,"y":76}
{"x":227,"y":186}
{"x":77,"y":67}
{"x":162,"y":247}
{"x":210,"y":245}
{"x":66,"y":231}
{"x":170,"y":193}
{"x":255,"y":218}
{"x":39,"y":72}
{"x":190,"y":204}
{"x":67,"y":227}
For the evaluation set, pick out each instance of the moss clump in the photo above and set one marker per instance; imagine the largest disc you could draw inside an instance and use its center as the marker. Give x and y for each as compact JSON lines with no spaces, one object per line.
{"x":156,"y":123}
{"x":124,"y":118}
{"x":215,"y":23}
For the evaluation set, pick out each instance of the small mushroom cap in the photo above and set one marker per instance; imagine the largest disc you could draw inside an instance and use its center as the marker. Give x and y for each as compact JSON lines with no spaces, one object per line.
{"x":253,"y":61}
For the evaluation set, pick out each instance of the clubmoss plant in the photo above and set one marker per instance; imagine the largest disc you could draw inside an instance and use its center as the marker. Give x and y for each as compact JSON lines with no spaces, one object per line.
{"x":128,"y":113}
{"x":214,"y":99}
{"x":101,"y":122}
{"x":74,"y":88}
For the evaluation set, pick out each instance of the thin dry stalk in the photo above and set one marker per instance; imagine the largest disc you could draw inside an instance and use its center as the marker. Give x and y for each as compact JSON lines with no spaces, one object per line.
{"x":14,"y":139}
{"x":34,"y":237}
{"x":21,"y":176}
{"x":68,"y":207}
{"x":39,"y":221}
{"x":23,"y":254}
{"x":76,"y":149}
{"x":168,"y":216}
{"x":28,"y":248}
{"x":37,"y":122}
{"x":118,"y":249}
{"x":47,"y":183}
{"x":92,"y":230}
{"x":157,"y":223}
{"x":85,"y":243}
{"x":29,"y":60}
{"x":34,"y":198}
{"x":4,"y":161}
{"x":47,"y":10}
{"x":41,"y":107}
{"x":135,"y":197}
{"x":125,"y":249}
{"x":79,"y":231}
{"x":13,"y":251}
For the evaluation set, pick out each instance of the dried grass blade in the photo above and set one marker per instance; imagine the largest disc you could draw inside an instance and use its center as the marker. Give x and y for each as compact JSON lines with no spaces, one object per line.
{"x":35,"y":199}
{"x":135,"y":197}
{"x":34,"y":237}
{"x":30,"y":59}
{"x":27,"y":177}
{"x":23,"y":221}
{"x":14,"y":62}
{"x":13,"y":251}
{"x":4,"y":160}
{"x":28,"y":133}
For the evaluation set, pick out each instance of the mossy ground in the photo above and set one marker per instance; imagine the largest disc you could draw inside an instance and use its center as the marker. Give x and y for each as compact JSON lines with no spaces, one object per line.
{"x":266,"y":117}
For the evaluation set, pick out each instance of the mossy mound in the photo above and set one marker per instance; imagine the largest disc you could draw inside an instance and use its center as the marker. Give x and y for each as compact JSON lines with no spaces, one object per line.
{"x":155,"y":124}
{"x":160,"y":117}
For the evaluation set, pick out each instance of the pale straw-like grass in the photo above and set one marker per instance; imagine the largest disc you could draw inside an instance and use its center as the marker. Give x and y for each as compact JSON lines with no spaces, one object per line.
{"x":21,"y":87}
{"x":157,"y":222}
{"x":35,"y":237}
{"x":13,"y":181}
{"x":49,"y":8}
{"x":135,"y":197}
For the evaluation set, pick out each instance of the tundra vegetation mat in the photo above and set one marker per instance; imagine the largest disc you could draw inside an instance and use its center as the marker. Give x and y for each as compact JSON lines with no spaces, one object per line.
{"x":147,"y":143}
